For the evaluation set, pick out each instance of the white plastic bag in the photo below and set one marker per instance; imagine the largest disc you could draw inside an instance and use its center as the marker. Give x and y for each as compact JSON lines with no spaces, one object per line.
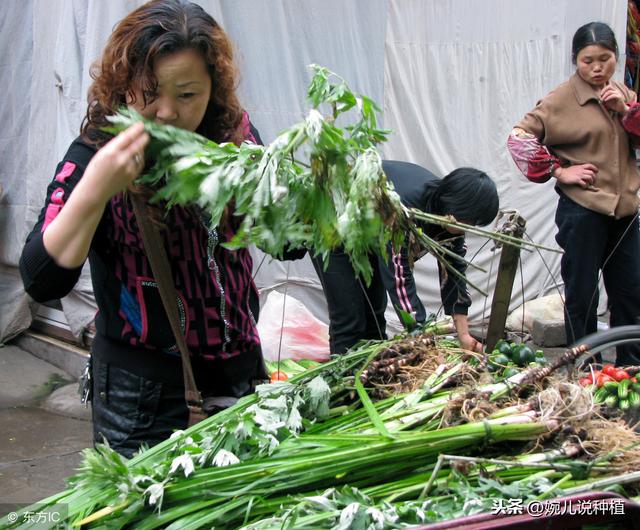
{"x":300,"y":336}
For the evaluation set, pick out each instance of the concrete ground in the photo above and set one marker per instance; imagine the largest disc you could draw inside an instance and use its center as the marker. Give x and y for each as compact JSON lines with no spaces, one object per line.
{"x":43,"y":430}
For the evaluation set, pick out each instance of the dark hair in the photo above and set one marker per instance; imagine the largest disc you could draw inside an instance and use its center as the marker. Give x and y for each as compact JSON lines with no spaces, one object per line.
{"x":154,"y":30}
{"x":597,"y":33}
{"x":469,"y":195}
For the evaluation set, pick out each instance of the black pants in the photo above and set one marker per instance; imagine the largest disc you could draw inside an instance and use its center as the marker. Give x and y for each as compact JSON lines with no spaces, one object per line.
{"x":594,"y":242}
{"x":356,"y":311}
{"x":129,"y":410}
{"x":138,"y":396}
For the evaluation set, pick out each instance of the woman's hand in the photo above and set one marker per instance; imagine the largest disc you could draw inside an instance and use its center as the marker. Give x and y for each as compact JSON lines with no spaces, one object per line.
{"x":583,"y":175}
{"x":115,"y":165}
{"x":68,"y":238}
{"x":613,"y":99}
{"x":467,"y":342}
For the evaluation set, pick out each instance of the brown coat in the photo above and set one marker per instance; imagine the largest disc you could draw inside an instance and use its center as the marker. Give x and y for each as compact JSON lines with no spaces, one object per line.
{"x":573,"y":123}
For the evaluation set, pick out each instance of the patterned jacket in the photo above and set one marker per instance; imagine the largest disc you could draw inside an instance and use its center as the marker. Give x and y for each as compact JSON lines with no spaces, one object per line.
{"x":214,"y":285}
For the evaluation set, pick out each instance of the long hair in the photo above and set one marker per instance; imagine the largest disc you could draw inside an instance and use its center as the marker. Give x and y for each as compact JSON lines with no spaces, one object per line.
{"x":597,"y":33}
{"x":154,"y":30}
{"x":469,"y":195}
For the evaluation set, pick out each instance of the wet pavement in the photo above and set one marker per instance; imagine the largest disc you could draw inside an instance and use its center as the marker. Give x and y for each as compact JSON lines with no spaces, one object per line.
{"x":43,"y":428}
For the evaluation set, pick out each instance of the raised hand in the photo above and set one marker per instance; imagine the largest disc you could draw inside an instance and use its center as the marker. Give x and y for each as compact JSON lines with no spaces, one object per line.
{"x":117,"y":164}
{"x":68,"y":238}
{"x":613,"y":99}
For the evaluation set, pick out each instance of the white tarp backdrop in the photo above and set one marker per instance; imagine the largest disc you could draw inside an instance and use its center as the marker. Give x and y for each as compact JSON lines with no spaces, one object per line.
{"x":452,"y":77}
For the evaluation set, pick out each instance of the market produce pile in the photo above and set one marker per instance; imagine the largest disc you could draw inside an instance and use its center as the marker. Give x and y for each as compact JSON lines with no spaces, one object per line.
{"x":392,"y":434}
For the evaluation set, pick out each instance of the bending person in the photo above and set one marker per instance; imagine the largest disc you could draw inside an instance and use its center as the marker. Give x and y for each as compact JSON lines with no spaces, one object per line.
{"x":356,"y":311}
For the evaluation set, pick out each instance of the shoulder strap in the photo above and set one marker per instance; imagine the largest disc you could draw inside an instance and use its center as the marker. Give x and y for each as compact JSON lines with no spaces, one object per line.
{"x":159,"y":262}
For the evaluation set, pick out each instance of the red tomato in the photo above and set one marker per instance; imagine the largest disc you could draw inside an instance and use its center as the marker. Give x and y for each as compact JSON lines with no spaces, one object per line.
{"x":594,"y":376}
{"x":634,"y":380}
{"x":277,"y":375}
{"x":602,"y":379}
{"x":619,"y":375}
{"x":585,"y":381}
{"x":609,"y":369}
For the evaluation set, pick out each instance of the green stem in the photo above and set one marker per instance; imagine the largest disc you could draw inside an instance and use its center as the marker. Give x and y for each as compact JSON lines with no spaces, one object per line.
{"x":555,"y":487}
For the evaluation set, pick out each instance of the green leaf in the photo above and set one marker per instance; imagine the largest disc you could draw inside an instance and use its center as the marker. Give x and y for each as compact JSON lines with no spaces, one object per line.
{"x":407,"y":319}
{"x":373,"y":414}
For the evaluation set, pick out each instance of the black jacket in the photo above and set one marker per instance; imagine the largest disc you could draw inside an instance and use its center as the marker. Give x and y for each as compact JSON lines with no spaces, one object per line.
{"x":417,"y":188}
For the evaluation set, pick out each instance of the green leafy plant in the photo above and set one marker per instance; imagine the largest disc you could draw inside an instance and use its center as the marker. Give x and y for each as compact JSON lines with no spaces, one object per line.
{"x":317,"y":186}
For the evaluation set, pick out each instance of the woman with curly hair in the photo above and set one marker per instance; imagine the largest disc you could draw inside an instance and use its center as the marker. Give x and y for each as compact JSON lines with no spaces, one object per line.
{"x":170,"y":61}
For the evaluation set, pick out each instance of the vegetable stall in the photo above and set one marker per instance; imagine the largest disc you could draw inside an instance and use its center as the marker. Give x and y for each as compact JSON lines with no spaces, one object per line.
{"x":397,"y":433}
{"x":393,"y":434}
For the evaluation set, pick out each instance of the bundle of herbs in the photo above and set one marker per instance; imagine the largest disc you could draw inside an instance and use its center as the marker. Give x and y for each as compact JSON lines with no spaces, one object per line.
{"x":259,"y":462}
{"x":319,"y":185}
{"x":467,"y":487}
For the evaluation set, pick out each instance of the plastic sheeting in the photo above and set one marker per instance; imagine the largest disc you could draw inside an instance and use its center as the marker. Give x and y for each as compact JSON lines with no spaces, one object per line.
{"x":17,"y":308}
{"x":452,"y":77}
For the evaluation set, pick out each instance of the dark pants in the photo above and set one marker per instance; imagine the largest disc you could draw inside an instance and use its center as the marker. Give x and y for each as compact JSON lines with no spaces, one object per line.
{"x":594,"y":242}
{"x":138,"y":397}
{"x":130,"y":410}
{"x":356,"y":311}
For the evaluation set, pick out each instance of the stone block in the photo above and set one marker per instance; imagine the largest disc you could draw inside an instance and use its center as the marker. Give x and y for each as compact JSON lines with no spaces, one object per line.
{"x":67,"y":357}
{"x":548,"y":333}
{"x":66,"y":402}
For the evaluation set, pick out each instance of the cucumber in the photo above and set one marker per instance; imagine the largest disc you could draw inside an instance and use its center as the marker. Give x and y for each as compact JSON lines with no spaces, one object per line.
{"x":635,"y":386}
{"x":271,"y":366}
{"x":623,"y":388}
{"x":501,"y":360}
{"x":611,"y":387}
{"x":600,"y":395}
{"x":525,"y":356}
{"x":634,"y":399}
{"x":504,"y":348}
{"x":611,"y":401}
{"x":307,"y":363}
{"x":624,"y":404}
{"x":290,"y":366}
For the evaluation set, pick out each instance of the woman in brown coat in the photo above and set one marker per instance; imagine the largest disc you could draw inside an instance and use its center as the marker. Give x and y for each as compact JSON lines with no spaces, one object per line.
{"x":582,"y":134}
